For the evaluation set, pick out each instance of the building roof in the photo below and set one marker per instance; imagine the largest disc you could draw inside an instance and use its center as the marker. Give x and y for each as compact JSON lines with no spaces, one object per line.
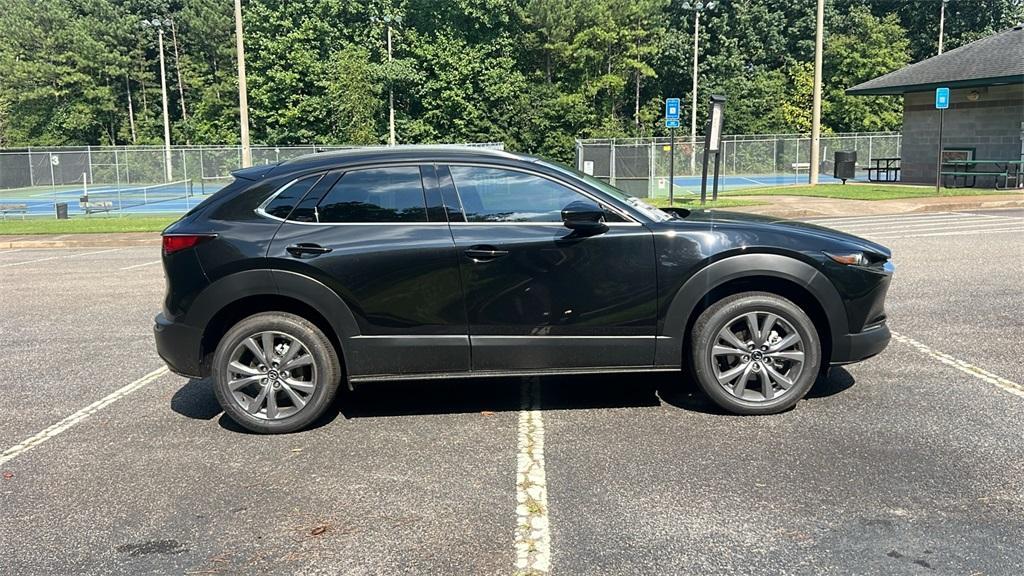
{"x":996,"y":59}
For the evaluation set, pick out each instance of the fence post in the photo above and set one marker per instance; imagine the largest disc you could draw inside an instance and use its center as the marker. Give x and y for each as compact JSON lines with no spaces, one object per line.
{"x":579,"y":155}
{"x":650,"y":172}
{"x":31,"y":176}
{"x":611,"y":162}
{"x":88,"y":151}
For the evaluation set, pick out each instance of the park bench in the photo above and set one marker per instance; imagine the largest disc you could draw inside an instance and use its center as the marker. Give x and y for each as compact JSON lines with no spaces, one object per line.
{"x":6,"y":209}
{"x":964,"y":174}
{"x":798,"y":166}
{"x":884,"y":169}
{"x":94,"y":207}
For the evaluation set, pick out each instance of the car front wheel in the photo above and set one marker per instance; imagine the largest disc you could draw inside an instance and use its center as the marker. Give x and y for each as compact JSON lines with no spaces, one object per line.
{"x":275,"y":372}
{"x":755,"y":353}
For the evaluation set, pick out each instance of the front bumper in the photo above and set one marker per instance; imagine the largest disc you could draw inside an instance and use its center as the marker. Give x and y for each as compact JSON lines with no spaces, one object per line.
{"x":861,"y":346}
{"x":179,"y":346}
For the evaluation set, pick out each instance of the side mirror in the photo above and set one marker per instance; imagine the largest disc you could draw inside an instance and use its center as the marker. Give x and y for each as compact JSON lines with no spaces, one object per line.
{"x":584,"y":216}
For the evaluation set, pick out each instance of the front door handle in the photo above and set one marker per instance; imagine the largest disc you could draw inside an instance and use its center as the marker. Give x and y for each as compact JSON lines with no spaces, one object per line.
{"x":304,"y":248}
{"x":485,"y":253}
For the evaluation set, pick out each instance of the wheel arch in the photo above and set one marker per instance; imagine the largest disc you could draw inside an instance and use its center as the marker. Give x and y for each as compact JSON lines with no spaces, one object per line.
{"x":240,"y":295}
{"x":775,"y":273}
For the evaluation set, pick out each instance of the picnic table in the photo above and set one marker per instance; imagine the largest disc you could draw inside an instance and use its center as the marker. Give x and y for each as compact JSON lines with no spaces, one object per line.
{"x":964,"y":169}
{"x":891,"y":169}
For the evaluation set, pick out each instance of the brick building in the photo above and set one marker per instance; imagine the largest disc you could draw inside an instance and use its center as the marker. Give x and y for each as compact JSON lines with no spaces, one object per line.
{"x":985,"y":119}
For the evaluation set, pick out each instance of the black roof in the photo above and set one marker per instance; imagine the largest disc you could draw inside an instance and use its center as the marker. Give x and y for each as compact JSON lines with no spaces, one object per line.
{"x":996,"y":59}
{"x":412,"y":153}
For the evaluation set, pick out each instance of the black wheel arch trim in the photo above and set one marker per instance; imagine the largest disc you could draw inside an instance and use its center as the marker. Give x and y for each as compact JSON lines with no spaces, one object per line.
{"x":669,"y":350}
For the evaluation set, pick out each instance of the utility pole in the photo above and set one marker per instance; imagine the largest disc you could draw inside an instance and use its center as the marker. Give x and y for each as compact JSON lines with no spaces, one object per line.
{"x":243,"y":93}
{"x":163,"y":99}
{"x":693,"y":94}
{"x":177,"y":69}
{"x":816,"y":107}
{"x":697,"y":8}
{"x":942,"y":21}
{"x":131,"y":110}
{"x":391,"y":93}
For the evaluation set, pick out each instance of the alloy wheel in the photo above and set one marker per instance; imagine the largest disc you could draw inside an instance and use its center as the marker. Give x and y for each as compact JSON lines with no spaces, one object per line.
{"x":271,"y":375}
{"x":757,"y":356}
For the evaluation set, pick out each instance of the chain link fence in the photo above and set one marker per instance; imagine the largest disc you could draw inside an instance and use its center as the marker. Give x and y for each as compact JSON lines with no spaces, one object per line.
{"x":641,"y":166}
{"x":130,"y":178}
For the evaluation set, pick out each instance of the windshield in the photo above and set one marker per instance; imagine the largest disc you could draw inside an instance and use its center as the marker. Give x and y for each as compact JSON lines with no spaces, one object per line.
{"x":638,"y":204}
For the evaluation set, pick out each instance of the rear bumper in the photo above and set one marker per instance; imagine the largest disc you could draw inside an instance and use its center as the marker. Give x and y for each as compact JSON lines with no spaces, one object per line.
{"x":179,"y":346}
{"x":861,"y":346}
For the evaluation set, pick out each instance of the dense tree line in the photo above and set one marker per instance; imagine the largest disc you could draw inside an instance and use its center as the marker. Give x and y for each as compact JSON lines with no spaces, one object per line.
{"x":535,"y":74}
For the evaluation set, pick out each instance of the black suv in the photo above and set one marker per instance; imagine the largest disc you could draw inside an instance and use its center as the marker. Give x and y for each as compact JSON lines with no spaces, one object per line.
{"x":445,"y":262}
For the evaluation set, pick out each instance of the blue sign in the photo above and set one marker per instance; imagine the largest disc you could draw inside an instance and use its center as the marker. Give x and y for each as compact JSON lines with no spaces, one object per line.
{"x":672,"y":109}
{"x":672,"y":123}
{"x":942,"y":98}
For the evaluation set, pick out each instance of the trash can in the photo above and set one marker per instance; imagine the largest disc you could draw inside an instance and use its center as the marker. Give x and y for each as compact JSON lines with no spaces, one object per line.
{"x":62,"y":210}
{"x":845,"y":167}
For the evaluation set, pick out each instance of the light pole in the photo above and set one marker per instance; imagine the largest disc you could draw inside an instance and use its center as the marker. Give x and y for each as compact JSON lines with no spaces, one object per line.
{"x":243,"y":93}
{"x":697,"y":7}
{"x":159,"y":24}
{"x":942,"y":21}
{"x":816,"y":106}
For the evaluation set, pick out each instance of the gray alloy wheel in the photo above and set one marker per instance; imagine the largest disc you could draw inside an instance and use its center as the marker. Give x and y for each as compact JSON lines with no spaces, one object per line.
{"x":275,"y":372}
{"x":271,"y":375}
{"x":757,"y":356}
{"x":755,"y":353}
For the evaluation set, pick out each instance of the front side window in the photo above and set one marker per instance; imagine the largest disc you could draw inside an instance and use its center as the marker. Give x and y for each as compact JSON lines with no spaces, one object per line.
{"x":392,"y":194}
{"x":498,"y":195}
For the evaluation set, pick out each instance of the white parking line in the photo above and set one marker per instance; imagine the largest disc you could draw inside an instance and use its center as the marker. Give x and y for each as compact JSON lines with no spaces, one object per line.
{"x":141,"y":265}
{"x":533,"y":534}
{"x":62,"y":256}
{"x":11,"y":251}
{"x":1017,"y":229}
{"x":885,"y":218}
{"x":930,"y":224}
{"x":979,"y":373}
{"x":74,"y":419}
{"x":933,"y":227}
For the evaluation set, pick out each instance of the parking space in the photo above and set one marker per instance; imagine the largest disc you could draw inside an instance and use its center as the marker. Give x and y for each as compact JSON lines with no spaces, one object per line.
{"x":909,"y":463}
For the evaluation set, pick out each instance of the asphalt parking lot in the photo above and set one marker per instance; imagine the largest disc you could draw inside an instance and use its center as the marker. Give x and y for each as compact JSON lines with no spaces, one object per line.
{"x":909,"y":463}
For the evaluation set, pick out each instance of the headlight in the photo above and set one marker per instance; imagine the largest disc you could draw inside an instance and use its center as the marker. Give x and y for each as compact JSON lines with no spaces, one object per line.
{"x":849,"y":259}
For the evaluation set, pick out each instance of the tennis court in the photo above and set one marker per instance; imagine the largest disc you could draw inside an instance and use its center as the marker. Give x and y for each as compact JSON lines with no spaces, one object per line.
{"x":730,"y":183}
{"x":99,"y":199}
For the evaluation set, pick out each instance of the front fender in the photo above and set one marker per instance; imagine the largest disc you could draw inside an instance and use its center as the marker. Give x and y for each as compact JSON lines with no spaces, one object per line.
{"x":669,"y":349}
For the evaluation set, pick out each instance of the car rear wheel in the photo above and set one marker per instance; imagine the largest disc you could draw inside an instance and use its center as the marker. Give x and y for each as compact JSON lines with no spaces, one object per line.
{"x":275,"y":372}
{"x":755,"y":353}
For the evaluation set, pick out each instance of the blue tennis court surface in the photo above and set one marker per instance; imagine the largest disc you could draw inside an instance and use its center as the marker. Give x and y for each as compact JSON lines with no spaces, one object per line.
{"x":732,"y":182}
{"x":172,"y":198}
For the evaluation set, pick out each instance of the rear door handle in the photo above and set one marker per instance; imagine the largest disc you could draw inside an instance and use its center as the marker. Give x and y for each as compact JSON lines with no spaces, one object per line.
{"x":306,"y":248}
{"x":485,"y":253}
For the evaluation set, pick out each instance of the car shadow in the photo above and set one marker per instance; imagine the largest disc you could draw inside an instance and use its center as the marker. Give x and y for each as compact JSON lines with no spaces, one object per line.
{"x":473,"y":395}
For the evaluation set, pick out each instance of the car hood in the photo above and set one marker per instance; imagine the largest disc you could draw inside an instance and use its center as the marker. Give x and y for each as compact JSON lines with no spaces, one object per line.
{"x":723,"y":218}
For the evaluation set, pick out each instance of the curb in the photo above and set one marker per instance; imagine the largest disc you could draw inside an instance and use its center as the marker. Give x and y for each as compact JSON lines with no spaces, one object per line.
{"x":104,"y":242}
{"x":782,"y":211}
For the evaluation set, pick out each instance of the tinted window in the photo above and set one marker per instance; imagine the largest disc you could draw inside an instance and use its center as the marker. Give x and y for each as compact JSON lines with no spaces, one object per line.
{"x":376,"y":195}
{"x":282,"y":205}
{"x":497,"y":195}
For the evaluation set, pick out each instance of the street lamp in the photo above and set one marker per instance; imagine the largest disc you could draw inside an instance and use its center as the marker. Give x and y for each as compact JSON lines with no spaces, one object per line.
{"x":159,"y":25}
{"x":697,"y":7}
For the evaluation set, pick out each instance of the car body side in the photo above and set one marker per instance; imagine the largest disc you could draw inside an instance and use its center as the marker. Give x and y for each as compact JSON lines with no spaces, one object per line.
{"x":693,"y":262}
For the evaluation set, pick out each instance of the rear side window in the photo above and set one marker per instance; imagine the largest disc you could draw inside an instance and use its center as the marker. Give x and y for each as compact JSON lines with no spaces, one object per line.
{"x":393,"y":194}
{"x":282,"y":205}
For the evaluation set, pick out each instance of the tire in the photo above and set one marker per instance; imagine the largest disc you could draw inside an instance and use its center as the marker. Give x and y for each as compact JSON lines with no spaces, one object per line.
{"x":285,"y":392}
{"x":787,"y":354}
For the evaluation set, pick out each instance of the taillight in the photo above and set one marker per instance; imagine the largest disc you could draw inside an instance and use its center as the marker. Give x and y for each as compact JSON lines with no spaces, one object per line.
{"x":178,"y":242}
